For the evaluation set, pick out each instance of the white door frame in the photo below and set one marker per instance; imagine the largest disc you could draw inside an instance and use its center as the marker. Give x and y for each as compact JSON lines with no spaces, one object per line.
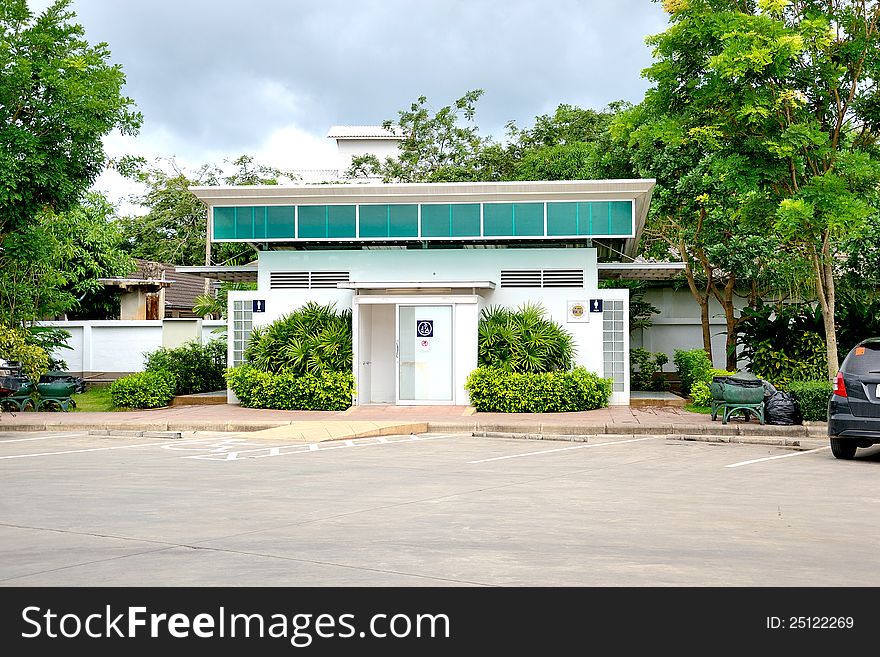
{"x":419,"y":402}
{"x":408,"y":300}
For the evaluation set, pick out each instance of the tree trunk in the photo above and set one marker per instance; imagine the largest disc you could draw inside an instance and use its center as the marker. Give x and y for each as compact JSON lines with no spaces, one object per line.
{"x":702,"y":298}
{"x":826,"y":293}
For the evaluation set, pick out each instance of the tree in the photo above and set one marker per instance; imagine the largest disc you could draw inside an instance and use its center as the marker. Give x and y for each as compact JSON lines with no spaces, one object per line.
{"x":790,"y":89}
{"x":435,"y":148}
{"x":51,"y":266}
{"x":17,"y":346}
{"x":174,"y":228}
{"x":59,"y":96}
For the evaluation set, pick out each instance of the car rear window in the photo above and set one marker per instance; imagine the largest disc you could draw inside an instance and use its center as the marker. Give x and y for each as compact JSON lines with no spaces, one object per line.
{"x":863,"y":359}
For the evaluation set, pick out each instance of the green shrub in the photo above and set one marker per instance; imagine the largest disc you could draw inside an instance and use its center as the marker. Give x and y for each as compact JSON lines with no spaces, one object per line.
{"x":803,"y":359}
{"x":644,"y":365}
{"x":325,"y":391}
{"x":692,"y":365}
{"x":812,"y":396}
{"x":310,"y":340}
{"x":499,"y":391}
{"x":193,"y":367}
{"x":142,"y":390}
{"x":522,"y":340}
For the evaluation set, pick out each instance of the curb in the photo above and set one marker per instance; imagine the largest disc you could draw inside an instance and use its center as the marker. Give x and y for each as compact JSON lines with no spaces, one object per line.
{"x":715,"y":433}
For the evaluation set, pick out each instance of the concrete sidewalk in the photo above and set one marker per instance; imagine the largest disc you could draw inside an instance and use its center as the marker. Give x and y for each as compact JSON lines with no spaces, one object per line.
{"x":360,"y":421}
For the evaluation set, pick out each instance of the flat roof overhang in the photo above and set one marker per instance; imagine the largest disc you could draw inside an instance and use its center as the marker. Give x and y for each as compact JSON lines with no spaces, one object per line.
{"x":236,"y":274}
{"x":640,"y":271}
{"x":638,"y":190}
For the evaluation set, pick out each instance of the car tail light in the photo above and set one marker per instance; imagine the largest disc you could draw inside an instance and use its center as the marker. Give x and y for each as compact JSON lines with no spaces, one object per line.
{"x":839,"y":385}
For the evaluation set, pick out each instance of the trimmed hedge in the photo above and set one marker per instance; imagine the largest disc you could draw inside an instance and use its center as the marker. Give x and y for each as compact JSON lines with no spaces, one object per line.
{"x":142,"y":390}
{"x":326,"y":391}
{"x":693,"y":365}
{"x":193,"y":367}
{"x":494,"y":390}
{"x":812,"y":397}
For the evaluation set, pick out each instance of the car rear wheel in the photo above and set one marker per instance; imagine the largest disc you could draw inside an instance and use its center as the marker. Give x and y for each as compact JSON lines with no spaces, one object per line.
{"x":843,"y":449}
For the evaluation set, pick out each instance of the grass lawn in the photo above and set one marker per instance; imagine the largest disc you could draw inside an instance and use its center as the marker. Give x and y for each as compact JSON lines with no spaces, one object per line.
{"x":705,"y":410}
{"x":95,"y":398}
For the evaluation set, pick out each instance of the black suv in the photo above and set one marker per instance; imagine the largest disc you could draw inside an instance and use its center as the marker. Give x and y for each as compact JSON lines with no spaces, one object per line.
{"x":854,"y":408}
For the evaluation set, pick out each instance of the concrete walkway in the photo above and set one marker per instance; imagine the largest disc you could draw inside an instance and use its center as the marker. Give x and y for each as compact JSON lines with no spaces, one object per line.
{"x":362,"y":421}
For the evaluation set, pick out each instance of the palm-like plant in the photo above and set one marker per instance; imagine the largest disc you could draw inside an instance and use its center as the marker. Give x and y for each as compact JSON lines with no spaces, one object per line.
{"x":523,"y":340}
{"x":312,"y":339}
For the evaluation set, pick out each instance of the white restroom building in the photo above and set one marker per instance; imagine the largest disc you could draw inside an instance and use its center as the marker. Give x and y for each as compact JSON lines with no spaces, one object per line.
{"x":417,"y":263}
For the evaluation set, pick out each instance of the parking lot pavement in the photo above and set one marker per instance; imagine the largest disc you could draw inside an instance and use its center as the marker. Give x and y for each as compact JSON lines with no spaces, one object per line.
{"x":219,"y":509}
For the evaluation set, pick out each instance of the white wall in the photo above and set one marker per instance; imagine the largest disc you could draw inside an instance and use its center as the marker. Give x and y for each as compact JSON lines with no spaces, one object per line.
{"x":348,"y":148}
{"x":112,"y":347}
{"x":408,"y":266}
{"x":678,"y":325}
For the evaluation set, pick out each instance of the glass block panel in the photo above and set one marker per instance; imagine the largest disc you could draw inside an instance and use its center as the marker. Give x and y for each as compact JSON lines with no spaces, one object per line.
{"x":437,"y":220}
{"x":259,"y":222}
{"x":562,"y":218}
{"x":498,"y":219}
{"x":600,"y":223}
{"x":528,"y":219}
{"x":224,"y":223}
{"x":341,"y":220}
{"x":403,"y":221}
{"x":466,"y":220}
{"x":374,"y":221}
{"x":280,"y":221}
{"x":244,"y":223}
{"x":312,"y":221}
{"x":621,"y":218}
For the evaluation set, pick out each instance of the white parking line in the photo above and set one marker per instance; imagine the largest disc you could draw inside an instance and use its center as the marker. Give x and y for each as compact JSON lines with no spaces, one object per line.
{"x":55,"y":435}
{"x":562,"y":449}
{"x":79,"y":451}
{"x":773,"y":458}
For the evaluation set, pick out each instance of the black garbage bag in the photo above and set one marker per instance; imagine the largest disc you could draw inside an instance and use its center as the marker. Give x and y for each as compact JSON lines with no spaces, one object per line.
{"x":782,"y":408}
{"x":769,"y":389}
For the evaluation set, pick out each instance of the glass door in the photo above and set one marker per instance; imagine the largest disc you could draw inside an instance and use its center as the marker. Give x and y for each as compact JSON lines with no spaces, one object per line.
{"x":424,"y":354}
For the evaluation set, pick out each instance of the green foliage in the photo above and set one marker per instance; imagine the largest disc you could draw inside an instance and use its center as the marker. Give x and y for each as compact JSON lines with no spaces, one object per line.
{"x":192,"y":367}
{"x":142,"y":390}
{"x":17,"y":345}
{"x":441,"y":147}
{"x":323,"y":391}
{"x":640,"y":311}
{"x":804,"y":359}
{"x":522,"y":340}
{"x":174,"y":228}
{"x":96,"y":399}
{"x":774,"y":112}
{"x":312,"y":339}
{"x":783,"y":343}
{"x":700,"y":394}
{"x":693,"y":365}
{"x":644,"y":366}
{"x":59,"y":96}
{"x":50,"y":340}
{"x":494,"y":390}
{"x":52,"y":265}
{"x":215,"y":306}
{"x":812,"y":397}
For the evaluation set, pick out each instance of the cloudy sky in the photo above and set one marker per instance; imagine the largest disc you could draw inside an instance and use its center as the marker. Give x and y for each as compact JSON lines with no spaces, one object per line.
{"x":218,"y":78}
